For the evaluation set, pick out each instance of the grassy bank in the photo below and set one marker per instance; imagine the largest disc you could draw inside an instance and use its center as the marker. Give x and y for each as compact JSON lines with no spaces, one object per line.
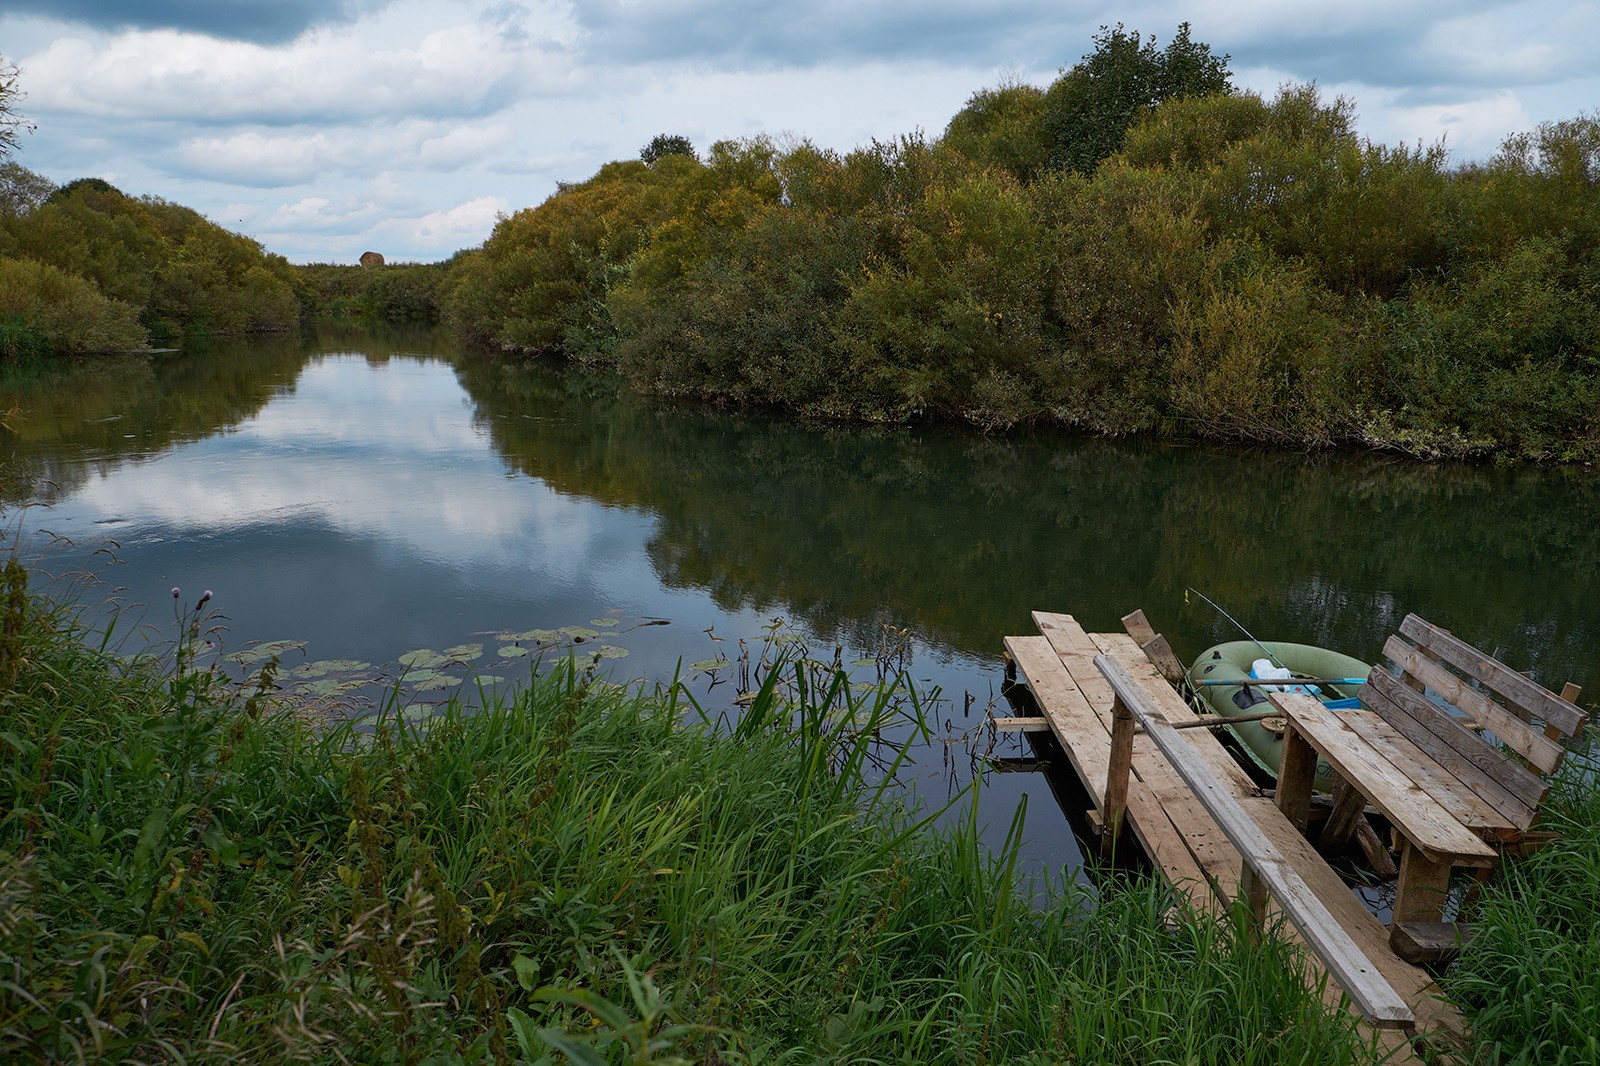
{"x":188,"y":873}
{"x":1528,"y":979}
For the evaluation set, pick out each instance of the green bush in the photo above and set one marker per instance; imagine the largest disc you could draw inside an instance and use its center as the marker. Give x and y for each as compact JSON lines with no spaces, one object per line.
{"x":46,"y":310}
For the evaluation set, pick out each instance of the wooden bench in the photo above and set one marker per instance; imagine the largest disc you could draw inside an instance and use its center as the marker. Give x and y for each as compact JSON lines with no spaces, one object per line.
{"x":1453,"y":768}
{"x":1267,"y":871}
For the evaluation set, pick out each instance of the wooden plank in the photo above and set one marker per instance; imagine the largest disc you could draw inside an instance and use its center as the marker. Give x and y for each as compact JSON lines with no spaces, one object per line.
{"x":1422,"y":942}
{"x":1138,"y":626}
{"x":1513,"y":790}
{"x":1383,"y":866}
{"x":1524,"y":693}
{"x":1086,"y":741}
{"x":1082,"y":735}
{"x":1470,"y":809}
{"x":1359,"y":976}
{"x":1529,"y":742}
{"x":1427,"y":824}
{"x":1019,"y":725}
{"x":1077,"y":654}
{"x":1160,"y":653}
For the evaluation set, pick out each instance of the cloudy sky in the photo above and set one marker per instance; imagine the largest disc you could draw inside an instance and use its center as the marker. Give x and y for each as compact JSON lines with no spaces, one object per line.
{"x":327,"y":127}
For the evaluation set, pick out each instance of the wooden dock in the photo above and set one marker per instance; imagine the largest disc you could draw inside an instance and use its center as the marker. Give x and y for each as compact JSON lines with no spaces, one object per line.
{"x":1186,"y":836}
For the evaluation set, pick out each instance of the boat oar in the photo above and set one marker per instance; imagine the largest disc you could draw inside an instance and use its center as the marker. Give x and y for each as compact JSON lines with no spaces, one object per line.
{"x":1288,"y":682}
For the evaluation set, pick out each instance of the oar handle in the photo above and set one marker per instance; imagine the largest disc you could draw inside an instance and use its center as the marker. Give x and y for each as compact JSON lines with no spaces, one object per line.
{"x":1243,"y":682}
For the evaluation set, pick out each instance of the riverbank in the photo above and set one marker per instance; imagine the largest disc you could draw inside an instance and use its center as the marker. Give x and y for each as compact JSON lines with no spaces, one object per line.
{"x":191,"y":871}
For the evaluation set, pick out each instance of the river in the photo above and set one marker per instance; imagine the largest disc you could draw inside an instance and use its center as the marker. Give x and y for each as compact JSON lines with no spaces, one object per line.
{"x":389,"y":501}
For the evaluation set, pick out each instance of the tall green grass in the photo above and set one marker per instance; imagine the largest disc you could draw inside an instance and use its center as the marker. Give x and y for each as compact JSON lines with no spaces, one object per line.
{"x":189,"y":872}
{"x":1530,"y":977}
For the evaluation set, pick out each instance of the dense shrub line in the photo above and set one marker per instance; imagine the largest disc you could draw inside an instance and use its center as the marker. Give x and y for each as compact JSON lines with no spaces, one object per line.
{"x":86,"y":268}
{"x":1241,"y":268}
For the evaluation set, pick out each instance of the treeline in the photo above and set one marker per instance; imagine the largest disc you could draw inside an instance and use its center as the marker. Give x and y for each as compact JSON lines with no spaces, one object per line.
{"x":85,"y":268}
{"x":1136,"y":247}
{"x":393,"y":292}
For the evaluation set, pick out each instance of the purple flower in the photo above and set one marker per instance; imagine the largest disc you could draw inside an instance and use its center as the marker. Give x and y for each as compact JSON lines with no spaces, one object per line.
{"x":175,"y":591}
{"x":204,"y":598}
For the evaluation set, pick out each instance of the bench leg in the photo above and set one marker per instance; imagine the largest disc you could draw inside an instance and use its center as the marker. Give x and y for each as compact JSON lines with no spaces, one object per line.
{"x":1254,"y":892}
{"x":1348,"y":806}
{"x":1116,"y":810}
{"x":1296,"y":773}
{"x":1420,"y":892}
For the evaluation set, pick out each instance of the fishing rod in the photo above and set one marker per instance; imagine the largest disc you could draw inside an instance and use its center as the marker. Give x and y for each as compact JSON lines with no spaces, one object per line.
{"x":1271,"y":658}
{"x":1283,"y":682}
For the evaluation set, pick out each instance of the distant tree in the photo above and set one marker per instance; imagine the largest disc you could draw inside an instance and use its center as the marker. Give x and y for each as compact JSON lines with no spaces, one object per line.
{"x":665,"y":144}
{"x":1088,"y":110}
{"x":1002,"y":127}
{"x":21,"y":190}
{"x":12,"y":125}
{"x":77,"y":185}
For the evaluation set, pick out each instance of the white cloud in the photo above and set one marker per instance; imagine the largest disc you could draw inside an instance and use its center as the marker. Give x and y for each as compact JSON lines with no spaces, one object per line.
{"x":278,"y":157}
{"x":445,"y":231}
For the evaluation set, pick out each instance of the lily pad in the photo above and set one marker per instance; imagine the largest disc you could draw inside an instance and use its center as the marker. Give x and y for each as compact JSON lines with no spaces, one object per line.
{"x":866,"y":664}
{"x":260,"y":653}
{"x":512,"y":651}
{"x":435,"y":683}
{"x":418,"y":712}
{"x":611,"y":651}
{"x":464,"y":652}
{"x":424,"y":658}
{"x":578,"y":634}
{"x":604,"y":623}
{"x":710,"y":665}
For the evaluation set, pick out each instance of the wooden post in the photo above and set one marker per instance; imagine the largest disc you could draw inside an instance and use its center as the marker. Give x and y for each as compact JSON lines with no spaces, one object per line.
{"x":1253,"y":891}
{"x":1348,"y":806}
{"x":1569,"y":692}
{"x":1122,"y":725}
{"x":1420,"y":892}
{"x":1296,"y":774}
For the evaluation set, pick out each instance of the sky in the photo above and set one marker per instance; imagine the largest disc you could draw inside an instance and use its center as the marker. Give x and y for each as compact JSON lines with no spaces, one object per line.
{"x":326,"y":128}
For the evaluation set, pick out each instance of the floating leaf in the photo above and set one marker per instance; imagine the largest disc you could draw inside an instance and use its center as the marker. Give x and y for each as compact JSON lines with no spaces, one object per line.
{"x":259,"y":653}
{"x":611,"y":651}
{"x":464,"y":652}
{"x":866,"y":664}
{"x":424,"y":658}
{"x":490,"y":679}
{"x":421,"y":677}
{"x":537,"y":636}
{"x":604,"y":623}
{"x":435,"y":683}
{"x":710,"y":665}
{"x":512,"y":651}
{"x":578,"y":633}
{"x":418,"y":712}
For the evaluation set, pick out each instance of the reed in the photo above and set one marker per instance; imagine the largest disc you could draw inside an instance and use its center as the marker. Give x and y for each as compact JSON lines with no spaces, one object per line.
{"x":578,"y":871}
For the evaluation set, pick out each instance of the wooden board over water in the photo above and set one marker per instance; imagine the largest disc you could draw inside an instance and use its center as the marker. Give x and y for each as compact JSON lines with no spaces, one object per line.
{"x":1174,"y":830}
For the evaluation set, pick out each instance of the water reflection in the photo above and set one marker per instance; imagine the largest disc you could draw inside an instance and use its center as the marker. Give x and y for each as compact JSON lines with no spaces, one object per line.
{"x":376,"y":493}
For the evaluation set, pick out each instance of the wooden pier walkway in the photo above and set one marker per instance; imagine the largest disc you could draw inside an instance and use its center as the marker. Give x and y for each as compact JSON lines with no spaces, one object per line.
{"x":1184,"y":840}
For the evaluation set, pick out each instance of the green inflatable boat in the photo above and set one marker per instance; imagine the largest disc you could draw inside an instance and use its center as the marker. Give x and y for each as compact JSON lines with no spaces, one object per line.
{"x":1280,"y":663}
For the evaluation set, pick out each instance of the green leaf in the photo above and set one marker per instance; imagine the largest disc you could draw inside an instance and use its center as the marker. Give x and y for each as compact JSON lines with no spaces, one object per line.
{"x":527,"y":971}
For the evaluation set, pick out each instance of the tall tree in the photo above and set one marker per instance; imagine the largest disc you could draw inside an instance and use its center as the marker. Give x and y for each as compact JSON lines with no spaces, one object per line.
{"x":1088,"y":110}
{"x":12,"y":125}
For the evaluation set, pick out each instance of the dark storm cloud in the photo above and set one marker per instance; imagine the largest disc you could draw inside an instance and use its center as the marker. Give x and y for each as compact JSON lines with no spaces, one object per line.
{"x":260,"y":21}
{"x":1027,"y":32}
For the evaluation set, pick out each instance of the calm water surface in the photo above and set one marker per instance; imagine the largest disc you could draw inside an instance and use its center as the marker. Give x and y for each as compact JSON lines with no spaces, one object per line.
{"x":373,"y":494}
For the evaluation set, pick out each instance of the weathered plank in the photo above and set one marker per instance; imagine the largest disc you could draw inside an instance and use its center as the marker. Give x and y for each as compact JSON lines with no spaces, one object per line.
{"x":1423,"y":942}
{"x":1526,"y":694}
{"x":1359,"y":975}
{"x":1004,"y":724}
{"x":1529,"y":742}
{"x":1514,"y":791}
{"x":1470,"y":809}
{"x":1432,"y":829}
{"x":1086,"y":740}
{"x":1137,"y":626}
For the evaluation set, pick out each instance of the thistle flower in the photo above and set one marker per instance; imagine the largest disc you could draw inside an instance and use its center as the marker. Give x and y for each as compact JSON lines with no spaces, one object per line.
{"x":203,"y":598}
{"x":175,"y":591}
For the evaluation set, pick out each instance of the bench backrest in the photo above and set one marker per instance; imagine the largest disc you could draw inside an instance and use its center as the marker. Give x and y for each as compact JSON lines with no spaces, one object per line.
{"x":1527,"y":718}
